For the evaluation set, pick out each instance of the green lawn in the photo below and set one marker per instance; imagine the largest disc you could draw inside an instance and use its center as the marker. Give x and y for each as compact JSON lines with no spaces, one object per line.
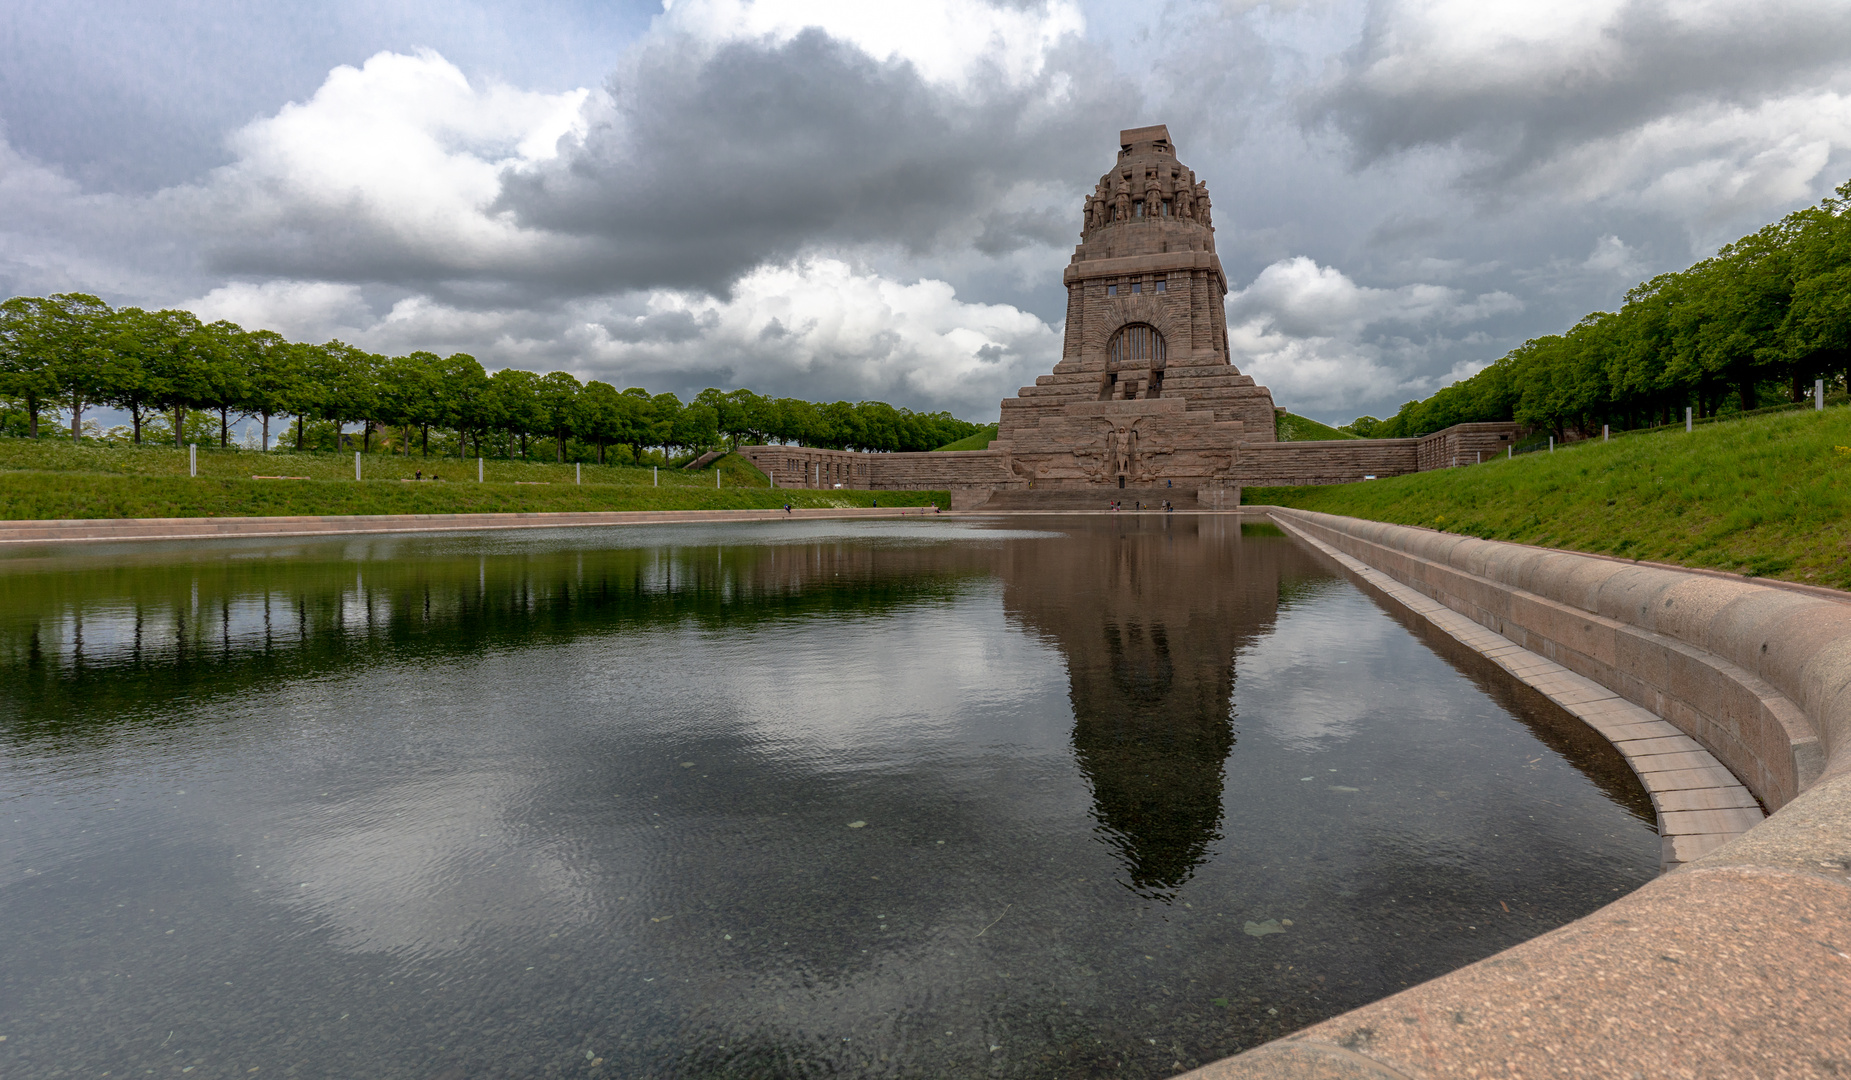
{"x":980,"y":441}
{"x":1290,"y":427}
{"x":45,"y":478}
{"x":1765,"y":496}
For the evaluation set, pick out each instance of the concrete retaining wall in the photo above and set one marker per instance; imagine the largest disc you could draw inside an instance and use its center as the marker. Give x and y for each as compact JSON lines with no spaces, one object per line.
{"x":1736,"y":965}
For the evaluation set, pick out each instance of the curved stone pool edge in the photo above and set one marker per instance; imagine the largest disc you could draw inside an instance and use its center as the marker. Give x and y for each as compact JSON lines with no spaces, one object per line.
{"x":1736,"y":965}
{"x":1700,"y":804}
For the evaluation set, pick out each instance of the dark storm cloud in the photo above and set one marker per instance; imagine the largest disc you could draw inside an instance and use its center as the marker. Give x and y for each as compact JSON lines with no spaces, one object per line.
{"x":1007,"y":231}
{"x":1403,"y":87}
{"x":704,"y":164}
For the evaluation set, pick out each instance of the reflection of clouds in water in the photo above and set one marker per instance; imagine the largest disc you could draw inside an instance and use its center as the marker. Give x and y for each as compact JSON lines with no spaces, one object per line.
{"x":932,"y":670}
{"x":1327,"y":662}
{"x":405,"y":867}
{"x":419,"y":861}
{"x":424,"y":867}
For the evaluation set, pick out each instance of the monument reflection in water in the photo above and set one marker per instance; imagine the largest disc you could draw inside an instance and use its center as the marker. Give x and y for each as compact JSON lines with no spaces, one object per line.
{"x":1150,"y":625}
{"x":1048,"y":797}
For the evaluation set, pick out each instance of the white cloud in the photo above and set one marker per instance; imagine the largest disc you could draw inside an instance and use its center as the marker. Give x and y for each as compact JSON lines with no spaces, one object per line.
{"x":821,"y":317}
{"x":1612,"y":256}
{"x":1695,"y":109}
{"x":816,"y":328}
{"x":947,"y":42}
{"x":1322,"y":342}
{"x":393,"y":163}
{"x":1716,"y":163}
{"x":298,"y":310}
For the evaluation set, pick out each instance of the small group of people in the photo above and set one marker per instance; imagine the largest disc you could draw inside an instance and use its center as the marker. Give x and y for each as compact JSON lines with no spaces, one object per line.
{"x":1166,"y":506}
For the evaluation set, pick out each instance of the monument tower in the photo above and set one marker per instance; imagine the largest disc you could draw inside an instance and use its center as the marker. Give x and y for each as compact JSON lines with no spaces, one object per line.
{"x":1144,"y":406}
{"x":1144,"y":395}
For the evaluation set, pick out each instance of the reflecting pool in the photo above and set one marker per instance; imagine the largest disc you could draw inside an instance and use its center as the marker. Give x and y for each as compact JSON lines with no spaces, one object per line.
{"x":1038,"y":797}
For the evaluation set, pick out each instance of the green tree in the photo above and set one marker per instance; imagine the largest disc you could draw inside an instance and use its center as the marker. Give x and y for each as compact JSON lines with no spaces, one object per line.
{"x":177,"y":365}
{"x":272,"y":371}
{"x":466,"y":391}
{"x":515,"y":404}
{"x":229,"y":357}
{"x":53,"y":347}
{"x":556,"y":394}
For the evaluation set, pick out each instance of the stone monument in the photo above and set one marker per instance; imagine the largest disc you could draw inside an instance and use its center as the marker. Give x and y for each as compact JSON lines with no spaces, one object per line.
{"x":1144,"y":406}
{"x":1144,"y":396}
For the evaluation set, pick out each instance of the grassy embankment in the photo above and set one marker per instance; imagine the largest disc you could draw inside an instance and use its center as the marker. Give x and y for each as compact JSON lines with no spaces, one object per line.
{"x":979,"y":441}
{"x":50,"y":478}
{"x":1290,"y":427}
{"x":1766,"y":496}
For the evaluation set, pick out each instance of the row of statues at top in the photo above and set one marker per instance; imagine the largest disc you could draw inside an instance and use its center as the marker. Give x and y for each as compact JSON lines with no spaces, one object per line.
{"x":1188,"y":202}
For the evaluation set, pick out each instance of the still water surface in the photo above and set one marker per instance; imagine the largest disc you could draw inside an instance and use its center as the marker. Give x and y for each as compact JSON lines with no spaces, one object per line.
{"x":1051,"y":797}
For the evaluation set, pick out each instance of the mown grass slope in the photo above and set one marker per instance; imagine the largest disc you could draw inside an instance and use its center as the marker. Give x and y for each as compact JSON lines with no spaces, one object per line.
{"x":51,"y":479}
{"x":1765,"y":496}
{"x":1290,"y":427}
{"x":979,"y":441}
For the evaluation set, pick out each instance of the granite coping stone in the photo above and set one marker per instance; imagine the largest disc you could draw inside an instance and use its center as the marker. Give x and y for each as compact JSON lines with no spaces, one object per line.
{"x":1735,"y":965}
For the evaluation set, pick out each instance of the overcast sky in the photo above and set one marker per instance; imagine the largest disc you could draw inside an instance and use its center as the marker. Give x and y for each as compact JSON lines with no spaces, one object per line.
{"x":855,"y":200}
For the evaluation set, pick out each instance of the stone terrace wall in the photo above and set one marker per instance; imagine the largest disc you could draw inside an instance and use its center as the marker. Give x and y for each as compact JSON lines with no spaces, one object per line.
{"x":1465,"y":444}
{"x":1274,"y":464}
{"x":808,"y":467}
{"x":1334,"y":461}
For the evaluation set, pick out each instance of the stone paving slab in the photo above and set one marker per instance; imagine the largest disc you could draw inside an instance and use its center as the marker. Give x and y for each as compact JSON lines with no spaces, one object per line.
{"x":1660,"y":744}
{"x":1707,"y":799}
{"x":1712,"y":803}
{"x":1675,"y":762}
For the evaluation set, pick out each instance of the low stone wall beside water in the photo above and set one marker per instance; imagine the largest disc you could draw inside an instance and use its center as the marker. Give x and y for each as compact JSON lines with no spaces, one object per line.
{"x":1736,"y":965}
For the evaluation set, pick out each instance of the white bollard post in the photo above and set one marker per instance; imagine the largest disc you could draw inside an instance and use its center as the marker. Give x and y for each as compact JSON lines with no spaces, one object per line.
{"x":356,"y":464}
{"x":578,"y":472}
{"x":1686,"y":419}
{"x":478,"y":470}
{"x":655,"y":476}
{"x":1510,"y":451}
{"x":1552,"y":444}
{"x":716,"y":478}
{"x":1818,"y":394}
{"x":192,"y":459}
{"x":1605,"y":435}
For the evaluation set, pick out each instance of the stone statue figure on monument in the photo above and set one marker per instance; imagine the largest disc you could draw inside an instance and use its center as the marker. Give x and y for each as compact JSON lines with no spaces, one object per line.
{"x":1124,"y":443}
{"x":1202,"y":206}
{"x":1121,"y":202}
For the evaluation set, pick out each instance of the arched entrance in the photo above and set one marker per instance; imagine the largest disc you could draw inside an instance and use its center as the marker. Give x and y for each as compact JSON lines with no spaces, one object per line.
{"x":1136,"y":354}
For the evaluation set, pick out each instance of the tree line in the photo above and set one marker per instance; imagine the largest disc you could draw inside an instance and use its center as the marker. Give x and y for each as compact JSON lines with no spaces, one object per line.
{"x":71,"y":352}
{"x":1761,"y":320}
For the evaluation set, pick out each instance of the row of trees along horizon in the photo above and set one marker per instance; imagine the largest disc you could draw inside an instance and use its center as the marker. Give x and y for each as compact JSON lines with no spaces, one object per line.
{"x":71,"y":352}
{"x":1754,"y":325}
